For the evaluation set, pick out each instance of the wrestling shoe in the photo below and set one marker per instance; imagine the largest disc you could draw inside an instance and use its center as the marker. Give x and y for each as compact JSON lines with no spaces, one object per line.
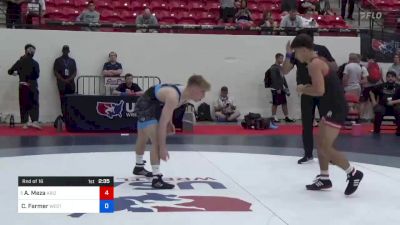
{"x":141,"y":171}
{"x":354,"y":179}
{"x":320,"y":182}
{"x":158,"y":183}
{"x":305,"y":159}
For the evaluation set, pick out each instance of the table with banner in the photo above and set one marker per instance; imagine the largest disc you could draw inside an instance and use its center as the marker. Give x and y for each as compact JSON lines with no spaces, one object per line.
{"x":100,"y":113}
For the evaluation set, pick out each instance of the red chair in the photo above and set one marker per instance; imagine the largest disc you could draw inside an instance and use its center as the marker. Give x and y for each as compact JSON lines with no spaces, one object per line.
{"x":160,"y":14}
{"x":168,"y":19}
{"x":127,"y":16}
{"x":207,"y":18}
{"x":121,"y":5}
{"x":70,"y":13}
{"x":80,"y":4}
{"x":196,"y":7}
{"x":103,"y":5}
{"x":156,"y":5}
{"x":50,"y":3}
{"x":254,"y":8}
{"x":177,"y":5}
{"x":109,"y":16}
{"x":213,"y":7}
{"x":186,"y":18}
{"x":54,"y":13}
{"x":63,"y":3}
{"x":138,"y":6}
{"x":257,"y":18}
{"x":334,"y":20}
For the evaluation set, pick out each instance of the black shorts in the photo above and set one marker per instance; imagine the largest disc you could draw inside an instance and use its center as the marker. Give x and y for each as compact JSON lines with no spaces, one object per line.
{"x":365,"y":94}
{"x":226,"y":13}
{"x":278,"y":99}
{"x":334,"y":116}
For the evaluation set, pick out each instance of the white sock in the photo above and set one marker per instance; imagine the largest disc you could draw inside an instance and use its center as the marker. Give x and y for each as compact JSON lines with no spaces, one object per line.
{"x":156,"y":169}
{"x":325,"y":173}
{"x":139,"y":159}
{"x":350,"y":169}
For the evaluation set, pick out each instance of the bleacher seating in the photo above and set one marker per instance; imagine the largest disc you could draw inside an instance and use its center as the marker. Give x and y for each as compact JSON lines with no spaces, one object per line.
{"x":173,"y":11}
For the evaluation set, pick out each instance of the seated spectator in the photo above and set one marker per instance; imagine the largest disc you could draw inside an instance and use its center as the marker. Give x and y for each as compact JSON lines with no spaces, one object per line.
{"x":268,"y":21}
{"x":227,"y":10}
{"x":112,"y":68}
{"x":224,"y":108}
{"x":243,"y":15}
{"x":323,"y":7}
{"x":90,"y":15}
{"x":352,"y":76}
{"x":128,"y":88}
{"x":36,"y":8}
{"x":292,"y":20}
{"x":146,"y":19}
{"x":279,"y":88}
{"x":386,"y":100}
{"x":396,"y":66}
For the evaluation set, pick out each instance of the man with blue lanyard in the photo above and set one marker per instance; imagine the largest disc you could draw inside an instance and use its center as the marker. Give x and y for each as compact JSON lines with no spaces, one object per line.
{"x":65,"y":72}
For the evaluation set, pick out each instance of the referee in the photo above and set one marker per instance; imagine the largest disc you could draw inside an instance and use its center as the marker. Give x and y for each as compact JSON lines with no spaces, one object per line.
{"x":308,"y":103}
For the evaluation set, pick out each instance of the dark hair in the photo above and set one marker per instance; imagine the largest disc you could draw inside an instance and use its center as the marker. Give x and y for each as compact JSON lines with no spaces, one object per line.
{"x":29,"y":46}
{"x":309,"y":32}
{"x":90,"y":2}
{"x":128,"y":75}
{"x":109,"y":54}
{"x":302,"y":40}
{"x":278,"y":55}
{"x":224,"y":89}
{"x":391,"y":73}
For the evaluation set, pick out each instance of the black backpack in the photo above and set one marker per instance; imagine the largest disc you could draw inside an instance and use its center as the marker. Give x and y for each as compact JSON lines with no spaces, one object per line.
{"x":255,"y":121}
{"x":178,"y":115}
{"x":267,"y":79}
{"x":204,"y":112}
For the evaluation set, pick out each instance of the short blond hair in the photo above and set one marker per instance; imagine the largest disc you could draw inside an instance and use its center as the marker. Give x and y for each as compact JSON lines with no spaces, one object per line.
{"x":198,"y":80}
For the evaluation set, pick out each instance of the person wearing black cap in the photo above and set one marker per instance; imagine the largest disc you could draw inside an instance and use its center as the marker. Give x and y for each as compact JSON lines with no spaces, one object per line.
{"x":65,"y":72}
{"x":308,"y":103}
{"x":28,"y":71}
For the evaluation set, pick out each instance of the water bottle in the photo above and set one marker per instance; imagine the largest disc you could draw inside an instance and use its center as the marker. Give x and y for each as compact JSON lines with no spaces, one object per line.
{"x":12,"y":121}
{"x":59,"y":125}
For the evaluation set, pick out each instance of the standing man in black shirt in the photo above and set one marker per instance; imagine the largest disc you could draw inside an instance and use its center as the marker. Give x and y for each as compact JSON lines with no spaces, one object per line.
{"x":308,"y":103}
{"x":128,"y":88}
{"x":65,"y":72}
{"x":28,"y":71}
{"x":386,"y":99}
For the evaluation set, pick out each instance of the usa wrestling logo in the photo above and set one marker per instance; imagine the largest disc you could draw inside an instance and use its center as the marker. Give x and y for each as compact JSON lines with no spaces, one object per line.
{"x":112,"y":109}
{"x":109,"y":109}
{"x":206,"y":195}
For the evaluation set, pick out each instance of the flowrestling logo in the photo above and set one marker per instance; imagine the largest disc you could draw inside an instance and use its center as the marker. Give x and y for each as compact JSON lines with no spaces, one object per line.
{"x":113,"y":109}
{"x":202,"y":194}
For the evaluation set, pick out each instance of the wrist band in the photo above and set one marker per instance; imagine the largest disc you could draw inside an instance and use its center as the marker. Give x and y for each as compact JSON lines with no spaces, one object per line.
{"x":289,"y":56}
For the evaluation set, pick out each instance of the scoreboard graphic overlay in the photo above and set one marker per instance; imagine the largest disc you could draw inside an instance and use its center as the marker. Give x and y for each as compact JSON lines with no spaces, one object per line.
{"x":65,"y":194}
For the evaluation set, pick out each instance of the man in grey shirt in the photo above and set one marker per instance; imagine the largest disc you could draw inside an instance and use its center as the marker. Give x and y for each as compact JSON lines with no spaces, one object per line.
{"x":90,"y":15}
{"x":396,"y":67}
{"x":146,"y":19}
{"x":292,"y":20}
{"x":352,"y":75}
